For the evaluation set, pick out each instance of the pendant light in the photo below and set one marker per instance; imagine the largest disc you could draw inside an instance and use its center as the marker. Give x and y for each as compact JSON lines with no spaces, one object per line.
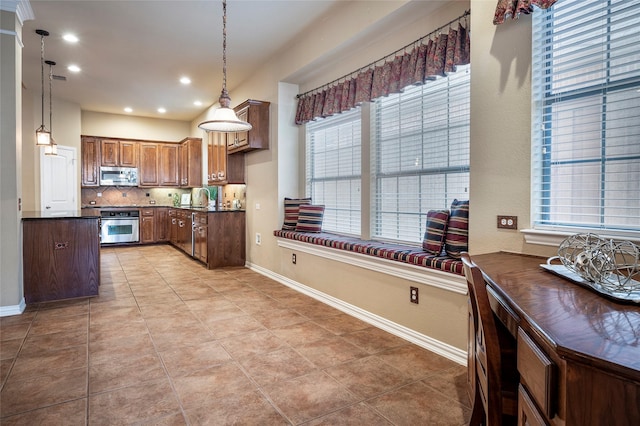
{"x":225,"y":118}
{"x":43,"y":136}
{"x":52,"y":148}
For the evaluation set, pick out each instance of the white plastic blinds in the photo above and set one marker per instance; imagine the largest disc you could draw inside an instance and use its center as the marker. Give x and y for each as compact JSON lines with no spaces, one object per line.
{"x":586,"y":116}
{"x":420,"y":155}
{"x":333,"y":175}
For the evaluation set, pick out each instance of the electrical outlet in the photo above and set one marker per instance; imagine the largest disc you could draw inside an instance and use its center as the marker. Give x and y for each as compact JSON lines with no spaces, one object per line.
{"x":413,"y":295}
{"x":258,"y":239}
{"x":293,"y":258}
{"x":508,"y":222}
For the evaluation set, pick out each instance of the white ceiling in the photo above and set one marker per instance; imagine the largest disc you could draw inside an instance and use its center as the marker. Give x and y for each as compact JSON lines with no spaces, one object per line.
{"x":132,"y":53}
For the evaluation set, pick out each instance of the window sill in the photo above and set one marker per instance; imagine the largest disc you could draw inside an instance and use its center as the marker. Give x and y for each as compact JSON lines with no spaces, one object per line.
{"x":546,"y":237}
{"x":431,"y":277}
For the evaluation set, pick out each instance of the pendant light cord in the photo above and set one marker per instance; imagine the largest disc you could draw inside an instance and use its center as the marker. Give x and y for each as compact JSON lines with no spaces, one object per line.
{"x":51,"y":64}
{"x":224,"y":45}
{"x":42,"y":77}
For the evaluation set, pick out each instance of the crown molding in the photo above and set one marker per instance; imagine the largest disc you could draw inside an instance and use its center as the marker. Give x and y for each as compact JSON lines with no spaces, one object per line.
{"x":22,"y":8}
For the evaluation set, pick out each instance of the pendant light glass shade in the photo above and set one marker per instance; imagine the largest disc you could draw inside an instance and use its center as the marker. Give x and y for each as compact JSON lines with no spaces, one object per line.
{"x":51,"y":149}
{"x":43,"y":136}
{"x":224,"y":118}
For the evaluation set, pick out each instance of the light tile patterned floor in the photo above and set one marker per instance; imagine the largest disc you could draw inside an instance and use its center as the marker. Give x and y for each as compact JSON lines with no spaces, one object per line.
{"x":169,"y":342}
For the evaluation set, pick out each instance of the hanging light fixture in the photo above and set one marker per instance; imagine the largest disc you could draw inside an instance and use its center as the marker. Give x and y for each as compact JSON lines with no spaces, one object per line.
{"x":43,"y":136}
{"x":225,"y":118}
{"x":52,"y":148}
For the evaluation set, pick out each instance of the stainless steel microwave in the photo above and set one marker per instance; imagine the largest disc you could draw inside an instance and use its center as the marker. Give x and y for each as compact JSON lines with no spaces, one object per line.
{"x":118,"y":176}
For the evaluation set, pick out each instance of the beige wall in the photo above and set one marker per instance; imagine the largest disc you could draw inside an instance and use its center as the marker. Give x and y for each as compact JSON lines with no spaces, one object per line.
{"x":132,"y":127}
{"x":11,"y":294}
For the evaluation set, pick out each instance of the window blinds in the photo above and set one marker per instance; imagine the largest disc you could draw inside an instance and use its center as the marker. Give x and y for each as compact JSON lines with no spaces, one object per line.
{"x":586,"y":116}
{"x":420,"y":158}
{"x":333,"y":170}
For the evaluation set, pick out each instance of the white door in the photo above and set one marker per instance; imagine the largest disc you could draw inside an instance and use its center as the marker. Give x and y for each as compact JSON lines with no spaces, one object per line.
{"x":58,"y":180}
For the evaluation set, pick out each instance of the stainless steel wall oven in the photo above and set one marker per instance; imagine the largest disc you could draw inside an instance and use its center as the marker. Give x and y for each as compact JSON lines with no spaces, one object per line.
{"x":119,"y":226}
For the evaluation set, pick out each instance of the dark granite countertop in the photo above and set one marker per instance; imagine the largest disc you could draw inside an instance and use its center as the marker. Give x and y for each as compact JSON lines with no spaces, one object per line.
{"x":194,"y":208}
{"x":64,"y":214}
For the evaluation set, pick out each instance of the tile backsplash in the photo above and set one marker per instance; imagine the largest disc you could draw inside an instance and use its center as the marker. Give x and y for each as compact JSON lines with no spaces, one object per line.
{"x":110,"y":196}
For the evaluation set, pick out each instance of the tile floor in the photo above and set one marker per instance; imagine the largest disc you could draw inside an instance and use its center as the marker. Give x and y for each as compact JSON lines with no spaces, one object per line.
{"x":168,"y":342}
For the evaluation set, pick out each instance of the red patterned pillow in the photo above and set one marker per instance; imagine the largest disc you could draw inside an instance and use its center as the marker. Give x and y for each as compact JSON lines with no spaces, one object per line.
{"x":291,"y":207}
{"x":310,"y":218}
{"x":436,"y":229}
{"x":457,"y":239}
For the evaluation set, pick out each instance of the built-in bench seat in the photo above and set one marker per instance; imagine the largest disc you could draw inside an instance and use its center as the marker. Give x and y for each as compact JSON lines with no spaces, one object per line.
{"x":406,"y":254}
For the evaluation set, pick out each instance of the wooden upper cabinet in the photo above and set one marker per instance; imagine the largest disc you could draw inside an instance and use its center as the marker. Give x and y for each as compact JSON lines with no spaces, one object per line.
{"x":149,"y":173}
{"x":169,"y":159}
{"x":191,"y":162}
{"x":90,"y":154}
{"x":255,"y":113}
{"x":128,"y":153}
{"x":109,"y":152}
{"x":217,"y":158}
{"x":115,"y":153}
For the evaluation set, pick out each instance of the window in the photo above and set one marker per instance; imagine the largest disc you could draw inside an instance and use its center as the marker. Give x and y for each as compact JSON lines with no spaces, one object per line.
{"x":333,"y":172}
{"x":586,"y":117}
{"x":419,"y":152}
{"x":420,"y":159}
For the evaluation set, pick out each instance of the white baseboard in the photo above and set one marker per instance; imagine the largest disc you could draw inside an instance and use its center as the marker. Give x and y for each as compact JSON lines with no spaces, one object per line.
{"x":18,"y":309}
{"x":450,"y":352}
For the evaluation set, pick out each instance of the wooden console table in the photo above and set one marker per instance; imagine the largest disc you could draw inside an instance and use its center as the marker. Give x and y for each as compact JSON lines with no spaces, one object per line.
{"x":578,"y":352}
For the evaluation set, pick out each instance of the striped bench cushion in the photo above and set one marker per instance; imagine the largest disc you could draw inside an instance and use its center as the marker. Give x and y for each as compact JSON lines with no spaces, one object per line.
{"x":411,"y":255}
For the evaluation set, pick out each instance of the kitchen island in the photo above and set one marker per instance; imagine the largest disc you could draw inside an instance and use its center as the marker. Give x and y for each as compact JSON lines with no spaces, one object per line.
{"x":61,"y":255}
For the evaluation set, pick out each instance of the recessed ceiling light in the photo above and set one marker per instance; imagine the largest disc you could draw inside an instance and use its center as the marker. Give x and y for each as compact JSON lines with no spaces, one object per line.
{"x":128,"y":109}
{"x":162,"y":110}
{"x":185,"y":80}
{"x":71,"y":38}
{"x":197,"y":103}
{"x":74,"y":68}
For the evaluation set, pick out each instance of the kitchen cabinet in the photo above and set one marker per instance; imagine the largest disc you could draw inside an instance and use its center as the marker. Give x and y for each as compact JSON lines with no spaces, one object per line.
{"x":162,"y":224}
{"x":169,"y":169}
{"x":185,"y":231}
{"x":226,"y":244}
{"x":200,"y":234}
{"x":190,"y":162}
{"x":61,"y":258}
{"x":90,"y":154}
{"x":223,"y":168}
{"x":149,"y":173}
{"x":255,"y":113}
{"x":173,"y":227}
{"x":147,"y":226}
{"x":117,"y":153}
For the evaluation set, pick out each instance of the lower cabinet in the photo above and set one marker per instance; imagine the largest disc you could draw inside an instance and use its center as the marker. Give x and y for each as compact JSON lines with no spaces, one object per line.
{"x":147,"y":226}
{"x":61,"y":258}
{"x":226,"y":239}
{"x":162,"y":224}
{"x":200,"y":234}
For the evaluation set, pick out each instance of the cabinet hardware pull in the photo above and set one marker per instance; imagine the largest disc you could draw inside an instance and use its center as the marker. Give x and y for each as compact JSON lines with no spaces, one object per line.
{"x":60,"y":246}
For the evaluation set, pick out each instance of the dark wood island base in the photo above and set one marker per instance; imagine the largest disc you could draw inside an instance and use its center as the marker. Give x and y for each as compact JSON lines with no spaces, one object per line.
{"x":61,"y":256}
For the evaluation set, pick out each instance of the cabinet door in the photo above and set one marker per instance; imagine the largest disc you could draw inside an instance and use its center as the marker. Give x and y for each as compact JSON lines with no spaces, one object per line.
{"x":191,"y":163}
{"x":255,"y":113}
{"x":128,"y":153}
{"x":149,"y":174}
{"x":235,"y":168}
{"x":169,"y":171}
{"x":173,"y":227}
{"x":217,"y":161}
{"x":162,"y":224}
{"x":90,"y":161}
{"x":147,"y":229}
{"x":109,"y":152}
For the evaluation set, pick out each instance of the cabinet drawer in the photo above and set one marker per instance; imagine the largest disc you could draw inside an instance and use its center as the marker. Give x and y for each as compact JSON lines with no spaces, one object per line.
{"x":528,"y":413}
{"x":146,"y":212}
{"x":537,"y":372}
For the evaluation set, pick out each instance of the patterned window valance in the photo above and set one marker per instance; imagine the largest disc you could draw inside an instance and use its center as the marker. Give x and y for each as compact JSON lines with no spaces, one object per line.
{"x":434,"y":55}
{"x":513,"y":8}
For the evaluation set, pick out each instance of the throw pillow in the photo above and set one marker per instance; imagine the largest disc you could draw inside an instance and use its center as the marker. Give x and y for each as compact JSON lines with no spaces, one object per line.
{"x":310,"y":218}
{"x":457,"y":239}
{"x":436,"y":229}
{"x":291,"y":207}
